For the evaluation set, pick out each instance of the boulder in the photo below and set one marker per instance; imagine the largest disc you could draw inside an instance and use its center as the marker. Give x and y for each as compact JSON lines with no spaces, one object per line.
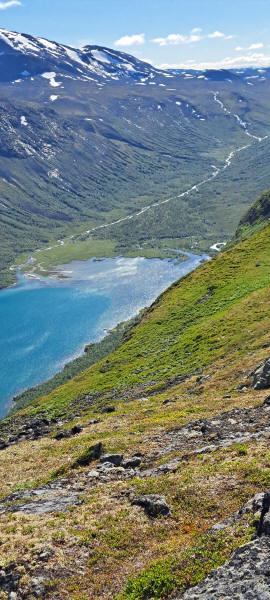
{"x":115,"y":459}
{"x":131,"y":463}
{"x":153,"y":505}
{"x":261,"y":379}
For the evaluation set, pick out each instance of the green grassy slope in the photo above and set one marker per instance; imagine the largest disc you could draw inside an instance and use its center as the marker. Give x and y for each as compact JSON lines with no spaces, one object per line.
{"x":201,"y":318}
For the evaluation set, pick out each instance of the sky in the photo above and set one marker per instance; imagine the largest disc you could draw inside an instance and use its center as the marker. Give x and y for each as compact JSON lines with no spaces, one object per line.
{"x":167,"y":33}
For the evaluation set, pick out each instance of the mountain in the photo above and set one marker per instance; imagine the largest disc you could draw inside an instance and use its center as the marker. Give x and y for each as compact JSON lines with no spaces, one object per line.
{"x":92,"y":136}
{"x":150,"y":470}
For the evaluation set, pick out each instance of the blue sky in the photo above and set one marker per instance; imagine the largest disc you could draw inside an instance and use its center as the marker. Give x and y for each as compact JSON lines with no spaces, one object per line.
{"x":194,"y":33}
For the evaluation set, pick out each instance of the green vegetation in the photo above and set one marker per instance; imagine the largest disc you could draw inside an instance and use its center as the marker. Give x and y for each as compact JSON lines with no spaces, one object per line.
{"x":158,"y":581}
{"x":186,"y":329}
{"x":92,"y":354}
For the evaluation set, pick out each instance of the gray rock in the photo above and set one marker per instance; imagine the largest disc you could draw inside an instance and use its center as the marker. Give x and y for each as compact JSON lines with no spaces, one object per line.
{"x":244,"y":577}
{"x":131,"y":463}
{"x":153,"y":505}
{"x":93,"y":473}
{"x":114,"y":459}
{"x":47,"y":505}
{"x":38,"y":588}
{"x":261,"y":379}
{"x":264,"y":523}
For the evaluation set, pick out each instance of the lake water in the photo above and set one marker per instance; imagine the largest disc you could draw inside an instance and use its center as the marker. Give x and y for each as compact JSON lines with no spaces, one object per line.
{"x":46,"y":323}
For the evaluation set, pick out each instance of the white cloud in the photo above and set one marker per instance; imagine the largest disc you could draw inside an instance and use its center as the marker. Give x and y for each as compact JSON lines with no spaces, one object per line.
{"x":174,"y":39}
{"x":216,"y":34}
{"x":251,"y":47}
{"x":246,"y":60}
{"x":255,"y":46}
{"x":4,"y":5}
{"x":131,"y":40}
{"x":219,"y":35}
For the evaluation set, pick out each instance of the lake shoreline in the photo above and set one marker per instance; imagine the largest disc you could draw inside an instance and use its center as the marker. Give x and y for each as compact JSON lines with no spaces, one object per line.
{"x":130,"y":286}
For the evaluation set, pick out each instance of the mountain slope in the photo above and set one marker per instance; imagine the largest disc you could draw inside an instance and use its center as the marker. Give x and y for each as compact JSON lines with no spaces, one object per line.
{"x":254,"y":220}
{"x":89,"y":136}
{"x":176,"y":400}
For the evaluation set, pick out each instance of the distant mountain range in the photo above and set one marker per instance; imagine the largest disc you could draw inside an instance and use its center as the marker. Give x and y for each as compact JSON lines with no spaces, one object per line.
{"x":90,"y":135}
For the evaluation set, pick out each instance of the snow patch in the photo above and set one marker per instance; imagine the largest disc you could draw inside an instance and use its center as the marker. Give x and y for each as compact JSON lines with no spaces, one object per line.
{"x":218,"y":246}
{"x":50,"y":75}
{"x":54,"y":173}
{"x":24,"y":121}
{"x":101,"y":57}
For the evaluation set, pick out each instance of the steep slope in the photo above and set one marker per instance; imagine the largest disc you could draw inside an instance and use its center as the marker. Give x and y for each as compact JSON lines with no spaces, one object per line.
{"x":177,"y":400}
{"x":254,"y":220}
{"x":90,"y":136}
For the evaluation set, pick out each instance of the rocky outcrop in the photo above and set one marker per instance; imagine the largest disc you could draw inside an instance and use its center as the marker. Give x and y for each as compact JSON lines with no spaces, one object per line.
{"x":246,"y":575}
{"x":261,"y":379}
{"x":114,"y":459}
{"x":57,"y":495}
{"x":259,"y":504}
{"x":206,"y":435}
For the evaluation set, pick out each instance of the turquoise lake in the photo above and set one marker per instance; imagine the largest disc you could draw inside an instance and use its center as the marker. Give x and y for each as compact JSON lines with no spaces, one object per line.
{"x":46,"y":323}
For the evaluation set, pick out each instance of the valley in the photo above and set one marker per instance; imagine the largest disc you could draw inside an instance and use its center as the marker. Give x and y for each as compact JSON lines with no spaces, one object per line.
{"x":139,"y":136}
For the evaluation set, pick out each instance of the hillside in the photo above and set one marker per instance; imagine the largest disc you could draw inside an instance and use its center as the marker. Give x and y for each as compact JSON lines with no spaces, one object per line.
{"x":91,"y":136}
{"x":127,"y":482}
{"x":254,"y":220}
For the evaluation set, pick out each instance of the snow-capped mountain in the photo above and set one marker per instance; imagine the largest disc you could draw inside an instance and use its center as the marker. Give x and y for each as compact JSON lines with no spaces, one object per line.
{"x":23,"y":56}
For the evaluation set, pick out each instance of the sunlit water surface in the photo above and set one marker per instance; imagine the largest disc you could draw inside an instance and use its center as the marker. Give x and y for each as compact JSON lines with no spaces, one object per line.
{"x":46,"y":323}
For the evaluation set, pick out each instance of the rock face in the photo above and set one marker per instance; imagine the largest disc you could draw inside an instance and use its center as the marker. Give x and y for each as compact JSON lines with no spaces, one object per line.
{"x":153,"y":505}
{"x":246,"y":575}
{"x":261,"y":379}
{"x":57,"y":495}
